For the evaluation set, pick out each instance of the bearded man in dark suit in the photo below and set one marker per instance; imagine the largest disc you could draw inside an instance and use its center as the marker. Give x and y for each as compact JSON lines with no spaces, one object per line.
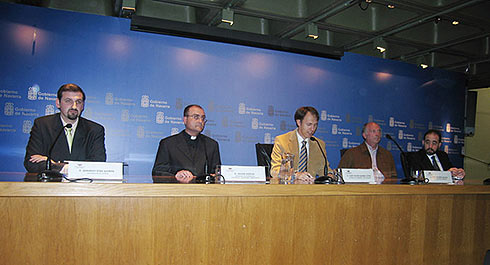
{"x":83,"y":141}
{"x":431,"y":158}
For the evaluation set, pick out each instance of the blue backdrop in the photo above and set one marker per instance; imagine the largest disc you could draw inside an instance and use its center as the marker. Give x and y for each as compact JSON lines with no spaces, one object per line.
{"x":138,"y":84}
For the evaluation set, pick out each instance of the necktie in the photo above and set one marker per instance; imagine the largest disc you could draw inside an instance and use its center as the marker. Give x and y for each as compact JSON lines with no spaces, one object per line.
{"x":303,"y":158}
{"x":69,"y":137}
{"x":434,"y":163}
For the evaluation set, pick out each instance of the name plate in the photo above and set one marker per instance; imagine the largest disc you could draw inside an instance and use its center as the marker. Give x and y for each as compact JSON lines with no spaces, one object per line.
{"x":357,"y":175}
{"x":109,"y":171}
{"x":438,"y":176}
{"x":243,"y":173}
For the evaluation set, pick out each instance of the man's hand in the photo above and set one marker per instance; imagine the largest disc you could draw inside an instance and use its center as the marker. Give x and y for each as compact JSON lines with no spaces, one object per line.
{"x":184,"y":176}
{"x":457,"y":172}
{"x":304,"y":178}
{"x":38,"y":158}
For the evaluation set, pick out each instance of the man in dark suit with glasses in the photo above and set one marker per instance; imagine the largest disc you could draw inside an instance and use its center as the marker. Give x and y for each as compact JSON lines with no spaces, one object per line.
{"x":189,"y":154}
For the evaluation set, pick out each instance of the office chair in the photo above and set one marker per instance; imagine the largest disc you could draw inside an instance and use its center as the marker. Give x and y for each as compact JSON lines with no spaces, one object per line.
{"x":264,"y":152}
{"x":342,"y":152}
{"x":405,"y":160}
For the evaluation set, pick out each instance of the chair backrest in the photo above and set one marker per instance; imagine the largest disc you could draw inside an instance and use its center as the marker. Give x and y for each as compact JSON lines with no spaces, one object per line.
{"x":405,"y":159}
{"x":342,"y":152}
{"x":264,"y":152}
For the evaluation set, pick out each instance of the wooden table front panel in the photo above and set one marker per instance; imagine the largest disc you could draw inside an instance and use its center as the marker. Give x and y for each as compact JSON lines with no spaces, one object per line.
{"x":297,"y":229}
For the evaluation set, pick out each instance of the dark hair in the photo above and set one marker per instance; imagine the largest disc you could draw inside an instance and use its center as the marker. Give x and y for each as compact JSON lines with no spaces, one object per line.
{"x":70,"y":88}
{"x":186,"y":110}
{"x":438,"y":133}
{"x":301,"y":113}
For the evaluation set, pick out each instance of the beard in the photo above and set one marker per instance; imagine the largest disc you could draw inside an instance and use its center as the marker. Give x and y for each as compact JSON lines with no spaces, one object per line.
{"x":430,"y":151}
{"x":72,"y":114}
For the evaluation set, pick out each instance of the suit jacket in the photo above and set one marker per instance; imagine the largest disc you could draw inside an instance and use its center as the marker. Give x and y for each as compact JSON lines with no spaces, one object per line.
{"x":174,"y":155}
{"x":288,"y":143}
{"x":419,"y":160}
{"x":88,"y":142}
{"x":359,"y":157}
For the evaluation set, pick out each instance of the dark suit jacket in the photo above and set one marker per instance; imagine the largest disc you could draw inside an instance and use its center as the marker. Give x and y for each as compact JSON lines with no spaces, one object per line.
{"x":88,"y":142}
{"x":174,"y":155}
{"x":359,"y":157}
{"x":420,"y":161}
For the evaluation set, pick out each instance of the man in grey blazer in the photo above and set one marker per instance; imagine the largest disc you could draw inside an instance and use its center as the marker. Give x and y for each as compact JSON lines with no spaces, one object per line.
{"x":189,"y":154}
{"x":83,"y":141}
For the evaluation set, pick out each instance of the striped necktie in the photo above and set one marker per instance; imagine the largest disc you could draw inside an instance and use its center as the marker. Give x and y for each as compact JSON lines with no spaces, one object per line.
{"x":69,"y":137}
{"x":303,"y":158}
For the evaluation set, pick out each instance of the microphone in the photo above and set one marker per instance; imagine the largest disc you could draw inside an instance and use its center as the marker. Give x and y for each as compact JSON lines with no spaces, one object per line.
{"x":406,"y":171}
{"x":207,"y":178}
{"x":324,"y":156}
{"x":325,"y":179}
{"x":48,"y":174}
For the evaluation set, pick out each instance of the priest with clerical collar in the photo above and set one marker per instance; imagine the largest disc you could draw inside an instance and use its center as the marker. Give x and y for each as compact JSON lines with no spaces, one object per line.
{"x":188,"y":154}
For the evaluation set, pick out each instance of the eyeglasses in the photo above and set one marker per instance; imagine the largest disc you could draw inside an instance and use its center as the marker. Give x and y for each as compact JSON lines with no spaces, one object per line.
{"x":198,"y":117}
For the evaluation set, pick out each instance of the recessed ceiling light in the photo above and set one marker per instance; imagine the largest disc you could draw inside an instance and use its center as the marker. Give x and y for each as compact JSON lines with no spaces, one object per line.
{"x":455,"y":22}
{"x":391,"y":6}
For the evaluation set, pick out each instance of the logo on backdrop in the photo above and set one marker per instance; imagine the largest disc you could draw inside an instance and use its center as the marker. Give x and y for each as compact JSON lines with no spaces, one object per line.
{"x":323,"y":116}
{"x":32,"y":92}
{"x":109,"y":98}
{"x":140,"y":132}
{"x":409,"y":147}
{"x":8,"y":110}
{"x":160,"y":117}
{"x":334,"y":129}
{"x":448,"y":127}
{"x":26,"y":126}
{"x":49,"y":110}
{"x":345,"y":142}
{"x":400,"y":134}
{"x":125,"y":115}
{"x":174,"y":131}
{"x":145,"y":101}
{"x":255,"y":123}
{"x":241,"y":108}
{"x":267,"y":138}
{"x":392,"y":121}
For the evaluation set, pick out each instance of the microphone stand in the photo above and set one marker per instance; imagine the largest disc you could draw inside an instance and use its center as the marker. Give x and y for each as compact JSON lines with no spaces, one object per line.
{"x":49,"y":174}
{"x":325,"y":179}
{"x":408,"y":179}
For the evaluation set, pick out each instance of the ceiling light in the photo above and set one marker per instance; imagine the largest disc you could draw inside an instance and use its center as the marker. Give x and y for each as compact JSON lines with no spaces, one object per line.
{"x":312,"y":31}
{"x":455,"y":22}
{"x":422,"y":62}
{"x":128,"y":8}
{"x":391,"y":6}
{"x":227,"y":16}
{"x":380,"y":44}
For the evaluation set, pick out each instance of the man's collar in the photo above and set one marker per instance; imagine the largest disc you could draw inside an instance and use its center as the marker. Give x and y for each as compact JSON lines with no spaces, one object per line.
{"x":370,"y":149}
{"x":188,"y":136}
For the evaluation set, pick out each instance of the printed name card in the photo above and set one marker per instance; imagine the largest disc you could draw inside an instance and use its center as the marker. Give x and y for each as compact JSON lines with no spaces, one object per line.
{"x":356,"y":175}
{"x":243,"y":173}
{"x":438,"y":176}
{"x":95,"y":170}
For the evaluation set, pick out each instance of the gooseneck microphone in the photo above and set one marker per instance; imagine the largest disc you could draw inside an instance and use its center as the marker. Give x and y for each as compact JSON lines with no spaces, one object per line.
{"x":325,"y":173}
{"x":406,"y":171}
{"x":49,"y":174}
